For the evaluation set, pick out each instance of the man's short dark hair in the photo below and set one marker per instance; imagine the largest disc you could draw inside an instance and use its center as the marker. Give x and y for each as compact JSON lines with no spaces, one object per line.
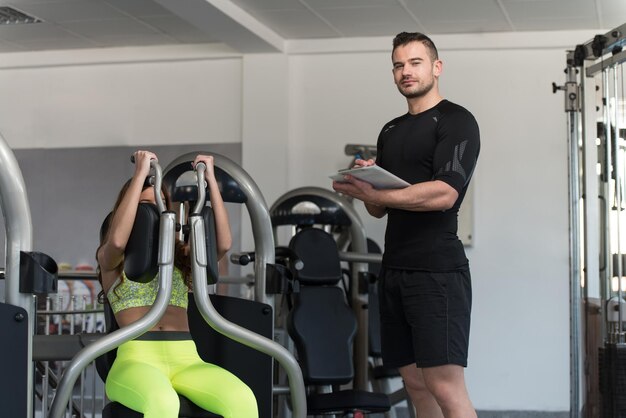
{"x":404,"y":38}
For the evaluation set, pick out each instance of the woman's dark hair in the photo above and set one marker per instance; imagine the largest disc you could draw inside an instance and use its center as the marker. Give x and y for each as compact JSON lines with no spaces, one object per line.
{"x":404,"y":38}
{"x":181,"y":258}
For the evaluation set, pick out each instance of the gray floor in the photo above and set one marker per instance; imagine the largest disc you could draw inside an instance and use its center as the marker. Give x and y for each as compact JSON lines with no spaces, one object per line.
{"x":522,"y":414}
{"x":403,"y":413}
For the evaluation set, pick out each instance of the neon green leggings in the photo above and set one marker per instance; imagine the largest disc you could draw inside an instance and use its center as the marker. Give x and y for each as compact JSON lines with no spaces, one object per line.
{"x":146,"y":376}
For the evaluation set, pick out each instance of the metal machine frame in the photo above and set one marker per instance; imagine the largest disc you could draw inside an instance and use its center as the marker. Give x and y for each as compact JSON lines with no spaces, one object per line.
{"x":596,"y":133}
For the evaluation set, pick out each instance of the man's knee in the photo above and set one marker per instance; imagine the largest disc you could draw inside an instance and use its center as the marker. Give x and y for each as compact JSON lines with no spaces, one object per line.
{"x":413,"y":380}
{"x":445,"y":383}
{"x":415,"y":384}
{"x":443,"y":391}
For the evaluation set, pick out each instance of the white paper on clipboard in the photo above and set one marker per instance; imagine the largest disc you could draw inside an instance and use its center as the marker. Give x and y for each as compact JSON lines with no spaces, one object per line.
{"x":373,"y":174}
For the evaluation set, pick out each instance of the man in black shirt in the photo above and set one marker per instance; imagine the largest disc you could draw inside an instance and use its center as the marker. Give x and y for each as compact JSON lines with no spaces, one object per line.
{"x":425,"y":287}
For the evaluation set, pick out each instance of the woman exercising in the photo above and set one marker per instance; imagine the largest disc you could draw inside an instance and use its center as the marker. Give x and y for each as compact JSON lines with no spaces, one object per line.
{"x":150,"y":370}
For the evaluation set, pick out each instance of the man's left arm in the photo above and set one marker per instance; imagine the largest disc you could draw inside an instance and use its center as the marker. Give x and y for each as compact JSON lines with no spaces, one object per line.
{"x":454,"y":160}
{"x":457,"y":149}
{"x":421,"y":197}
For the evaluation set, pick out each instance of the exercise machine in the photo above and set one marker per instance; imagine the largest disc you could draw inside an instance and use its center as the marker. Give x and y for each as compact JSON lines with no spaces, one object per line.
{"x":596,"y":131}
{"x":317,"y":207}
{"x":17,"y":314}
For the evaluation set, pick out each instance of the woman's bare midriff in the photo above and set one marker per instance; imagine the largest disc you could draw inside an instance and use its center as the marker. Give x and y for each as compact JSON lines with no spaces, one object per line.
{"x":174,"y":319}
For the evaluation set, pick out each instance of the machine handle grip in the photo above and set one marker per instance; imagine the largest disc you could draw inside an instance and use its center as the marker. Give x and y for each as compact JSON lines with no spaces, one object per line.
{"x":242,"y":259}
{"x":286,"y":252}
{"x":132,"y":160}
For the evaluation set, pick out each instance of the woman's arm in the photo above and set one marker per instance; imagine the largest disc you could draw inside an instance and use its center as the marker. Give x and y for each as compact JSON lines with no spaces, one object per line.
{"x":111,"y":252}
{"x":222,"y":226}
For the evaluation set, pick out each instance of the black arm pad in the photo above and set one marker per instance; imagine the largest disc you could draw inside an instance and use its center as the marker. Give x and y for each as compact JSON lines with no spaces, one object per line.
{"x":211,"y":244}
{"x":142,"y":249}
{"x":318,"y":252}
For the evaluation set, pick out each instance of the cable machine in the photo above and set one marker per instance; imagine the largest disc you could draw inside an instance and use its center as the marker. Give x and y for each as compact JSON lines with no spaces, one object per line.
{"x":595,"y":103}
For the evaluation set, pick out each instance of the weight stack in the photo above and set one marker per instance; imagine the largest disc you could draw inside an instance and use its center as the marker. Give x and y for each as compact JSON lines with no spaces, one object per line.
{"x":612,"y":375}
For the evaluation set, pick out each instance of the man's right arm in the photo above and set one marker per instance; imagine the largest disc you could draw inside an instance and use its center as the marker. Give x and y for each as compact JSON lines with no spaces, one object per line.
{"x":375,"y":210}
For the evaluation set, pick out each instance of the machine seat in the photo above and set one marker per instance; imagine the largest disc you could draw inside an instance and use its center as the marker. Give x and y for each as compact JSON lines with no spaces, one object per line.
{"x":323,"y":327}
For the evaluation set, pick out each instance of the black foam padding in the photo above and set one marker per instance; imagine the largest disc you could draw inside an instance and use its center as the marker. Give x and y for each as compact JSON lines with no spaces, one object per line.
{"x":323,"y":327}
{"x":13,"y":360}
{"x":211,"y":244}
{"x":347,"y":400}
{"x":187,"y":410}
{"x":251,"y":366}
{"x":382,"y":372}
{"x":61,"y":347}
{"x":329,"y":213}
{"x":105,"y":361}
{"x":373,"y":313}
{"x":318,"y":251}
{"x":142,"y":249}
{"x":38,"y":273}
{"x":229,"y":188}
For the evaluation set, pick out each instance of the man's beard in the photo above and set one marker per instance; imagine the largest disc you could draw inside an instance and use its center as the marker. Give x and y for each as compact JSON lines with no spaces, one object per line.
{"x":418,"y":90}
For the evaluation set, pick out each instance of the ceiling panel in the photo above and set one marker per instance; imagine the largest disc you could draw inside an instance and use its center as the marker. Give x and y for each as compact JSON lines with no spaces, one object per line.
{"x":139,"y":8}
{"x":370,"y":21}
{"x":71,"y":11}
{"x":522,"y":10}
{"x":612,"y":12}
{"x":112,"y":27}
{"x":178,"y":29}
{"x":18,"y":3}
{"x":296,"y":24}
{"x":44,"y":30}
{"x":139,"y":40}
{"x":470,"y":26}
{"x":430,"y":13}
{"x":10,"y":47}
{"x":554,"y":23}
{"x":270,"y":4}
{"x":348,"y":4}
{"x":68,"y":43}
{"x":613,"y":5}
{"x":72,"y":23}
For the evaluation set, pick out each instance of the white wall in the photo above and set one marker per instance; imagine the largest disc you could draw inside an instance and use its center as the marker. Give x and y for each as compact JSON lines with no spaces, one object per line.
{"x":323,"y":95}
{"x":520,"y":256}
{"x":131,"y":96}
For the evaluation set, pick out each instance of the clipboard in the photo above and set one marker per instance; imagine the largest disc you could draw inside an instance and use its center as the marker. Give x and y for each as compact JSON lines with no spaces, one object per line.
{"x":374,"y":175}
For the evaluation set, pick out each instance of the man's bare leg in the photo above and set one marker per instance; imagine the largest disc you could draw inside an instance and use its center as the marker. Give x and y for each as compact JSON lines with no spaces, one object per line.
{"x":445,"y":385}
{"x":425,"y":404}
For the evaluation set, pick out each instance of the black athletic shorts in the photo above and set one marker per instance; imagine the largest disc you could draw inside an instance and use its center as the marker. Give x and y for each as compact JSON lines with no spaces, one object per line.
{"x":425,"y":317}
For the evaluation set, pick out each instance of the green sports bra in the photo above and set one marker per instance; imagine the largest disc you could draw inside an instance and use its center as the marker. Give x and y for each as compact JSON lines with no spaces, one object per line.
{"x":130,"y":294}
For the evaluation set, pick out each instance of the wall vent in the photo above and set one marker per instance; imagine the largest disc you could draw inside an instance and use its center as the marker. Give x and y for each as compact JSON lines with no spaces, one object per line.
{"x":10,"y":16}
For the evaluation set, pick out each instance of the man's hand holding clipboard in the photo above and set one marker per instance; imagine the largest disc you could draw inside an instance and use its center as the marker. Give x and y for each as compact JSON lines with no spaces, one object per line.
{"x":369,"y":172}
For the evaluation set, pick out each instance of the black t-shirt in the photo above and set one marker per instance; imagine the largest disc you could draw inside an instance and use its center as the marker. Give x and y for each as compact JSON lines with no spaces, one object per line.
{"x":441,"y":143}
